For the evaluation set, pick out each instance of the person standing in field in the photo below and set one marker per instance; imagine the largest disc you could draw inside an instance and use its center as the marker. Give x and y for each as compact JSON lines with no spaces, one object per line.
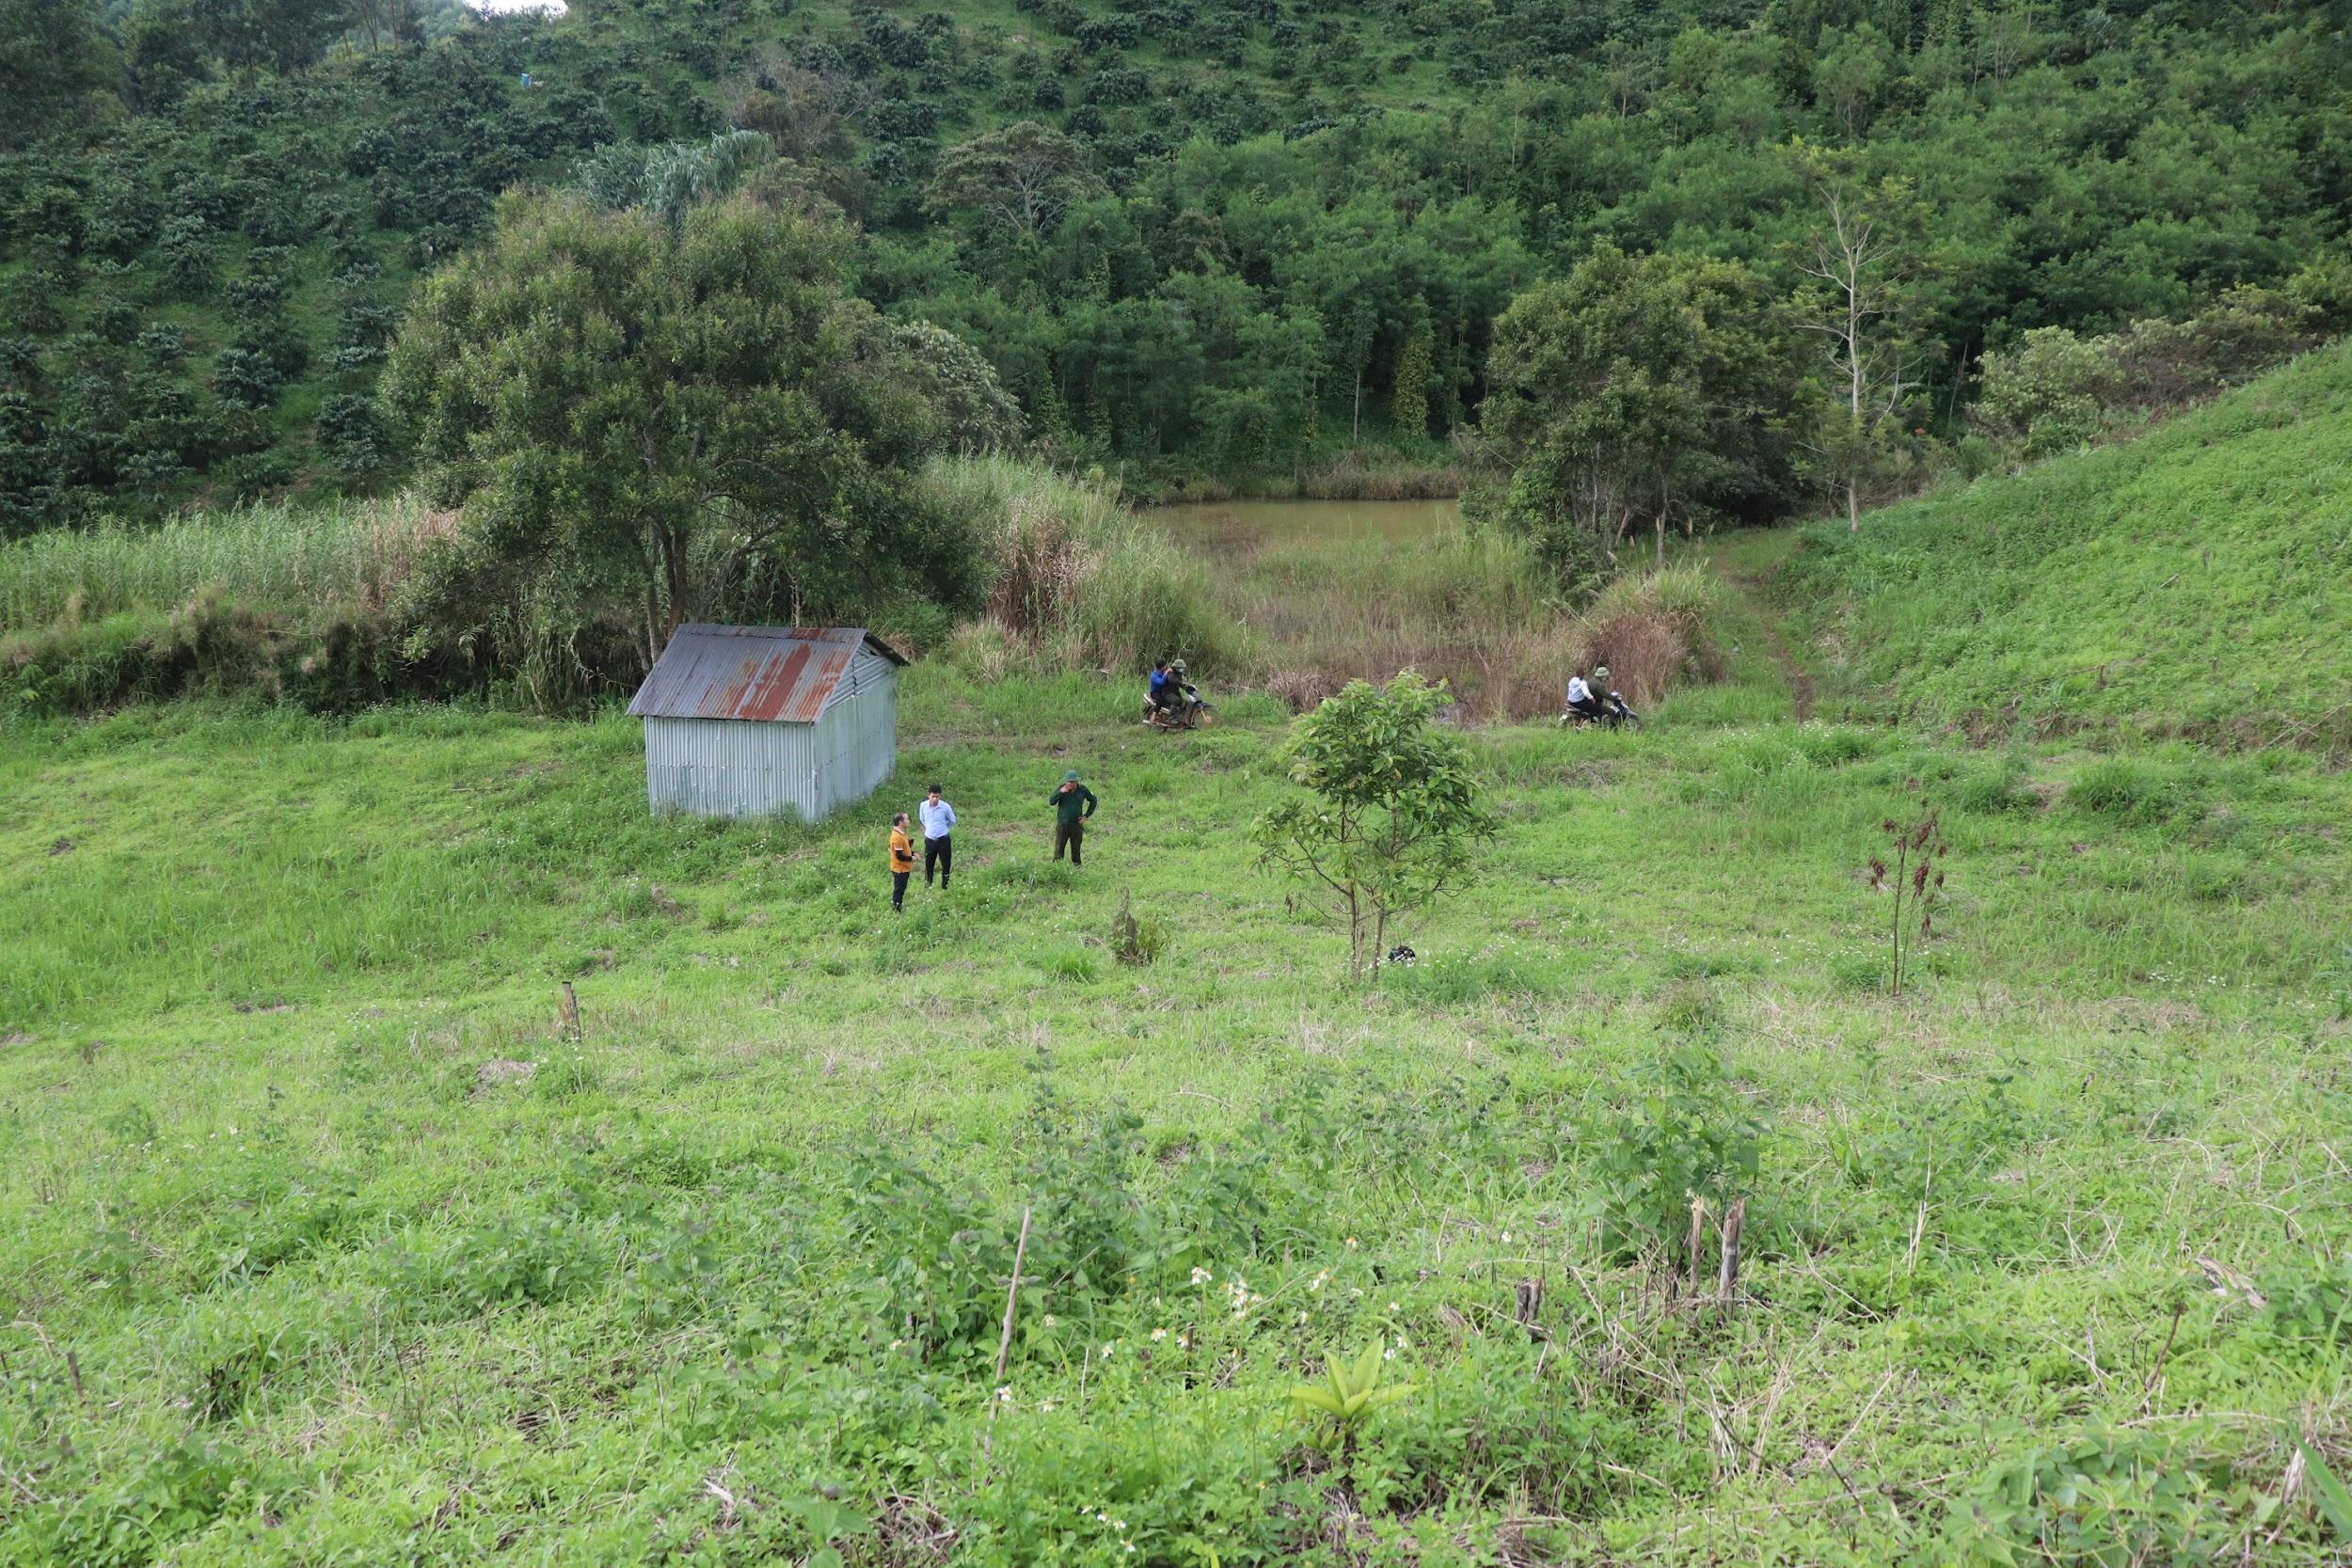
{"x":1073,"y":803}
{"x":902,"y":861}
{"x":939,"y":849}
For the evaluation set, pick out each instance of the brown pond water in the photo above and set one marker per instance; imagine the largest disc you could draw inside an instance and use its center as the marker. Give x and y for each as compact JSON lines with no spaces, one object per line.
{"x":1230,"y":526}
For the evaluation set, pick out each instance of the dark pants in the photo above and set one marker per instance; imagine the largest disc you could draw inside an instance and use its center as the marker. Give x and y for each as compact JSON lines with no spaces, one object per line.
{"x":1070,"y":836}
{"x":1590,"y":707}
{"x":939,"y":852}
{"x":898,"y":888}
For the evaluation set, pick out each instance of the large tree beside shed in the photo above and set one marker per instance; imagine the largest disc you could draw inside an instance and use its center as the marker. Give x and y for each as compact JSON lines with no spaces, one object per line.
{"x":665,"y":419}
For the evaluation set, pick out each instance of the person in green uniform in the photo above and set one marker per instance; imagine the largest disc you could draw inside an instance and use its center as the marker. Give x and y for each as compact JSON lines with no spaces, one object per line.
{"x":1073,"y":803}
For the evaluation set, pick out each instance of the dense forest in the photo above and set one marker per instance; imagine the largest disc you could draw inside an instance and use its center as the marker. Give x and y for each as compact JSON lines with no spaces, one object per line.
{"x":1208,"y":241}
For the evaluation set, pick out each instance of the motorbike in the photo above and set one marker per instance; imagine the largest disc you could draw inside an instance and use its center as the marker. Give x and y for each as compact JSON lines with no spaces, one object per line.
{"x":1189,"y":710}
{"x":1615,"y":713}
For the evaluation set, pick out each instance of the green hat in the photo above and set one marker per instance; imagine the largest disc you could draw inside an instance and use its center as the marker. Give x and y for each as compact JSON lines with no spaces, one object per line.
{"x":1071,"y":777}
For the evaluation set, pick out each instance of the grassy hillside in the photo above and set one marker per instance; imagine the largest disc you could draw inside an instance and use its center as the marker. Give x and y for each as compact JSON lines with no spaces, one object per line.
{"x":1277,"y":225}
{"x":2196,"y":580}
{"x":2043,"y":1261}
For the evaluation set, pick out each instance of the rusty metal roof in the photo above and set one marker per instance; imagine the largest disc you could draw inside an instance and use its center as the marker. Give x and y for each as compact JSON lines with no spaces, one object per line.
{"x":768,"y":674}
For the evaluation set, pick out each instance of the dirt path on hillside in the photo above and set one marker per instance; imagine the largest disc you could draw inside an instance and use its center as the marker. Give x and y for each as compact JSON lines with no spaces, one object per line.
{"x":1800,"y":691}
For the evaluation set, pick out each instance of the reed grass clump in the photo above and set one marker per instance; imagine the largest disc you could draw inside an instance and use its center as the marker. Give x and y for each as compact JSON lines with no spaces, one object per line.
{"x":1654,"y":630}
{"x":1076,"y":582}
{"x":348,"y":556}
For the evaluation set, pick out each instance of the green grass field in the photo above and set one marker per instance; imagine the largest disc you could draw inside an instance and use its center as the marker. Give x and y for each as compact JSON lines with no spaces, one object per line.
{"x":2196,"y":582}
{"x":2043,"y":1262}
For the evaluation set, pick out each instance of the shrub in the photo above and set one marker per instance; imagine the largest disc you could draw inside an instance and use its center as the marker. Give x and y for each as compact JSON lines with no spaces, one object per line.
{"x":1074,"y":584}
{"x":1395,"y":813}
{"x":2056,"y":389}
{"x":1654,"y":630}
{"x":1135,"y":941}
{"x":1685,"y":1137}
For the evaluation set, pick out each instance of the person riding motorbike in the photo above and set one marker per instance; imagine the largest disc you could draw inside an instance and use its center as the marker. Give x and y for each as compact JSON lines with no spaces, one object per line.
{"x":1156,"y":698}
{"x":1612,"y":705}
{"x":1176,"y":705}
{"x":1582,"y":698}
{"x":1181,"y":694}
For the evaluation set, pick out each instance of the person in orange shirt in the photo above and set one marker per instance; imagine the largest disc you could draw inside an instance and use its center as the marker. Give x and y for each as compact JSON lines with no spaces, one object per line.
{"x":902,"y":861}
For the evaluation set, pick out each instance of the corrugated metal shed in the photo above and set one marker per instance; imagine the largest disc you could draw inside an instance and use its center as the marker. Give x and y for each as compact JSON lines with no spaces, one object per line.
{"x":784,"y":673}
{"x":757,"y":721}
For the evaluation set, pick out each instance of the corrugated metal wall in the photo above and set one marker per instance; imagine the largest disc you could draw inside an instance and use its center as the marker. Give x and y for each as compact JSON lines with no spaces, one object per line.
{"x":859,"y":735}
{"x":732,"y":767}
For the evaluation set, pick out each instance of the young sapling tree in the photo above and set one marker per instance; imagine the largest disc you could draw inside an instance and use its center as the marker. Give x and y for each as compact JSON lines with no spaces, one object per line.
{"x":1394,"y":814}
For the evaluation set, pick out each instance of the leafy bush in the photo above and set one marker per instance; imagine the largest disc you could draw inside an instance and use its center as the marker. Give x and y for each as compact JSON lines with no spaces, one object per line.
{"x":526,"y":1258}
{"x":2105,"y":1496}
{"x":2056,"y":390}
{"x":1685,"y":1135}
{"x":134,"y":1508}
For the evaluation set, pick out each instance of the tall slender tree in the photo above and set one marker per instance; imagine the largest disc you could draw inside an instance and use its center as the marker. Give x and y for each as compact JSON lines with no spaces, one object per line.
{"x":1859,"y":261}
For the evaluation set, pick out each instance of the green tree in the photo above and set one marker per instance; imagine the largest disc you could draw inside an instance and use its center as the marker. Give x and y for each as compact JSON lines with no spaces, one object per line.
{"x":1395,"y":816}
{"x":663,"y":422}
{"x":1409,"y":400}
{"x":1850,"y":74}
{"x":972,"y":413}
{"x":1859,"y":264}
{"x":1648,"y":388}
{"x":1021,"y":178}
{"x":55,"y":60}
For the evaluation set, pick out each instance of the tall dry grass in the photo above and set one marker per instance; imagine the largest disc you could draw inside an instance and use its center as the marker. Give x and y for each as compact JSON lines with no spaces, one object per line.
{"x":1079,"y":583}
{"x":1473,"y":611}
{"x":1654,"y":631}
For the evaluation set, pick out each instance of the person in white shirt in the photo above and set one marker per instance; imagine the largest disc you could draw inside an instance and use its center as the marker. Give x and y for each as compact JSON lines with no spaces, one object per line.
{"x":1580,"y":696}
{"x":939,"y":849}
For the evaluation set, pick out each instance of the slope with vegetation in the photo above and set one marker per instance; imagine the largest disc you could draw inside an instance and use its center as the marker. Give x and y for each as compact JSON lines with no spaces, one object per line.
{"x":2197,"y":580}
{"x":2043,"y":1262}
{"x":1209,"y":242}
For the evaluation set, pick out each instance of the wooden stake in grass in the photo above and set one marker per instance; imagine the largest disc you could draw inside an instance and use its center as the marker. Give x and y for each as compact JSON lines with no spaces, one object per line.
{"x":1727,"y":1274}
{"x":1004,"y":1339}
{"x":1527,"y":1304}
{"x":567,"y":1014}
{"x":2155,"y":1373}
{"x":1698,"y":1236}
